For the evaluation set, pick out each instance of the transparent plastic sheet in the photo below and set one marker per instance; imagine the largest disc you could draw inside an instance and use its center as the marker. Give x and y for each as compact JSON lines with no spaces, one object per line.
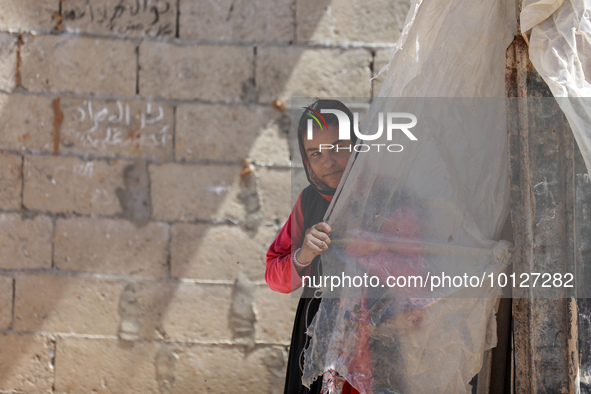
{"x":560,"y":50}
{"x":447,"y":193}
{"x":426,"y":211}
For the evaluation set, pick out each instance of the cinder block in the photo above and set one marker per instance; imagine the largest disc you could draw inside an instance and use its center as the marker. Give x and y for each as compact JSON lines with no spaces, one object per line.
{"x":79,"y":65}
{"x":238,"y":21}
{"x":275,"y":185}
{"x":28,"y":15}
{"x":108,"y":366}
{"x":381,"y":59}
{"x":191,"y":191}
{"x":117,"y":128}
{"x":221,"y":369}
{"x":284,"y":72}
{"x":11,"y":175}
{"x":27,"y":122}
{"x":8,"y":49}
{"x":209,"y":73}
{"x":275,"y":316}
{"x":344,"y":21}
{"x":68,"y":184}
{"x":272,"y":145}
{"x":107,"y":246}
{"x":92,"y":307}
{"x":105,"y":366}
{"x":201,"y":251}
{"x":26,"y":363}
{"x":5,"y":302}
{"x":152,"y":310}
{"x":67,"y":305}
{"x":182,"y":311}
{"x":25,"y":243}
{"x":149,"y":310}
{"x":231,"y":133}
{"x":127,"y":18}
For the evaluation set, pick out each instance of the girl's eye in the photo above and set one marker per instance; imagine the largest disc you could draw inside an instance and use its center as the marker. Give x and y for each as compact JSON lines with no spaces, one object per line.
{"x":315,"y":154}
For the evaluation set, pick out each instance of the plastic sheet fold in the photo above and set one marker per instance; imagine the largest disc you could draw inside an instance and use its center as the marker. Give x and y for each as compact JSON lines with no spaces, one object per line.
{"x":560,"y":49}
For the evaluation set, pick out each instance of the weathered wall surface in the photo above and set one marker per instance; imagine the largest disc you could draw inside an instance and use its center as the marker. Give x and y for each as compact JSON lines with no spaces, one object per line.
{"x":132,"y":236}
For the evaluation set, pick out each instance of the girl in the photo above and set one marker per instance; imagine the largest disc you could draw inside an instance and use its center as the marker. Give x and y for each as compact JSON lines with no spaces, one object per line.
{"x":297,"y":249}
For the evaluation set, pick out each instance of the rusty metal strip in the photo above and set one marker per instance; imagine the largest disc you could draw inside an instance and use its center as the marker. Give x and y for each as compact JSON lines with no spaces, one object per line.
{"x":540,"y":147}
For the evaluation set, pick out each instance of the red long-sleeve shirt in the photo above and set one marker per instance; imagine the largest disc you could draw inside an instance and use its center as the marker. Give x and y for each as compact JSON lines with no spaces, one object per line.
{"x":281,"y":274}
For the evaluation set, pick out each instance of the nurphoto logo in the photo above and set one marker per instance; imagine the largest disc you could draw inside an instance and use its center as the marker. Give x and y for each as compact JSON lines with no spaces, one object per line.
{"x":345,"y":129}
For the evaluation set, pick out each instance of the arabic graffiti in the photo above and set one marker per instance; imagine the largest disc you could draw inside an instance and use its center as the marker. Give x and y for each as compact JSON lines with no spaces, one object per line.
{"x":153,"y":18}
{"x":136,"y":124}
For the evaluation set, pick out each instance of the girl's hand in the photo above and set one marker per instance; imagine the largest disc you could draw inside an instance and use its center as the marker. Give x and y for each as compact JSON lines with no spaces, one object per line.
{"x":316,"y":241}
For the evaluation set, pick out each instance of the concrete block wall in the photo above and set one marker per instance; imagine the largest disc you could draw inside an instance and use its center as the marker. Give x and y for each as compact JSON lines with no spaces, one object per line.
{"x":144,"y":170}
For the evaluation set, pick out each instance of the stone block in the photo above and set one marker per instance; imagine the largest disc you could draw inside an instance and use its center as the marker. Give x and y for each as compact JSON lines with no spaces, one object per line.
{"x":275,"y":316}
{"x":238,"y":21}
{"x":108,"y":366}
{"x":25,"y":243}
{"x":67,"y":305}
{"x":11,"y":175}
{"x":344,"y":22}
{"x":106,"y":246}
{"x":79,"y":65}
{"x":191,"y":191}
{"x":127,"y":18}
{"x":68,"y":184}
{"x":26,"y":363}
{"x":201,"y":251}
{"x":117,"y":128}
{"x":222,"y":369}
{"x":209,"y":73}
{"x":381,"y":59}
{"x":5,"y":302}
{"x":26,"y":122}
{"x":275,"y":185}
{"x":8,"y":50}
{"x":273,"y":192}
{"x":272,"y":145}
{"x":183,"y":311}
{"x":284,"y":72}
{"x":231,"y":133}
{"x":28,"y":15}
{"x":132,"y":311}
{"x":86,"y":365}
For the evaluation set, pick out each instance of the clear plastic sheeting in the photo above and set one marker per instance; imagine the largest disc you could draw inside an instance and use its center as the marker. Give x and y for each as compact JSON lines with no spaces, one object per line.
{"x":435,"y":348}
{"x":432,"y":210}
{"x":437,"y":205}
{"x":560,"y":50}
{"x":417,"y":220}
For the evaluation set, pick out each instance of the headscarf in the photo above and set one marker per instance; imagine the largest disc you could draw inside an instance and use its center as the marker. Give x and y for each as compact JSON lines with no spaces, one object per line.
{"x":314,"y":111}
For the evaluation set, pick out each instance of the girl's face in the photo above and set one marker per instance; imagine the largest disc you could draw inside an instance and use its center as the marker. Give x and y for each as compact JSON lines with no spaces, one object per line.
{"x":328,"y":155}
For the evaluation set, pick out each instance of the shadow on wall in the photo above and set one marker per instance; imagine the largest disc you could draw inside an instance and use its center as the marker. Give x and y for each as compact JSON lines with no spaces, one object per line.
{"x":144,"y":210}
